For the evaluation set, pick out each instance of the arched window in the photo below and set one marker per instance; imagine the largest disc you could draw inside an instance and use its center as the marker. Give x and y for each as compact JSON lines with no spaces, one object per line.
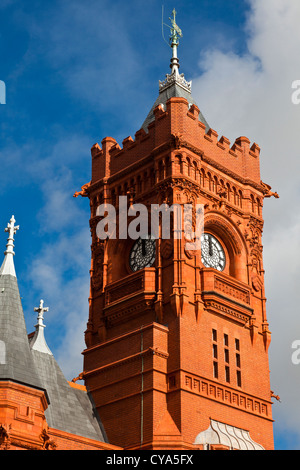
{"x":178,"y":163}
{"x":235,"y":196}
{"x":194,"y":170}
{"x":145,"y":181}
{"x":152,"y":177}
{"x":139,"y":184}
{"x":188,"y":164}
{"x":240,"y":198}
{"x":167,"y":166}
{"x":252,"y":203}
{"x":228,"y":190}
{"x":202,"y":177}
{"x":95,"y":204}
{"x":113,"y":197}
{"x":215,"y":188}
{"x":258,"y":206}
{"x":160,"y":170}
{"x":210,"y":182}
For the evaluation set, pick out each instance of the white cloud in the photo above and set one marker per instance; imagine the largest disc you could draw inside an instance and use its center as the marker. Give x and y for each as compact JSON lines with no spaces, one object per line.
{"x":60,"y":273}
{"x":251,"y":95}
{"x":55,"y":265}
{"x":60,"y":213}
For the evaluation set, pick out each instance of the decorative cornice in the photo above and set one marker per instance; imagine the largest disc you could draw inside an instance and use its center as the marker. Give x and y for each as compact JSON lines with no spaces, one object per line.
{"x":142,"y":301}
{"x":228,"y":307}
{"x":172,"y":79}
{"x":216,"y":391}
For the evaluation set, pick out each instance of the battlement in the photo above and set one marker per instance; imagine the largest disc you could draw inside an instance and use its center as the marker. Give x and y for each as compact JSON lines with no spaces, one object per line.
{"x":177,"y":119}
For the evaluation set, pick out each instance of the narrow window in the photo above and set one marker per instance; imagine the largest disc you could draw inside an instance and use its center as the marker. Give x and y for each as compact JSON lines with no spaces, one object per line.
{"x":215,"y":368}
{"x":215,"y":354}
{"x":226,"y":355}
{"x":238,"y":363}
{"x":172,"y":381}
{"x":238,"y":378}
{"x":227,"y":374}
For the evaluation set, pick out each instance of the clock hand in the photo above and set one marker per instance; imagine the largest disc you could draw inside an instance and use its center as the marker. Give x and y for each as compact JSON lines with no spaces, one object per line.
{"x":210,"y":247}
{"x":143,"y":247}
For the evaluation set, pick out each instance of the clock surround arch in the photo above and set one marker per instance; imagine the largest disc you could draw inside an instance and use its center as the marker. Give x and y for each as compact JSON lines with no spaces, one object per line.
{"x":232,"y":241}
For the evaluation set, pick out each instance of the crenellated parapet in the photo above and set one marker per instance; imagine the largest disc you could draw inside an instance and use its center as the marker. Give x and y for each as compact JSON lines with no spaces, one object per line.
{"x":174,"y":127}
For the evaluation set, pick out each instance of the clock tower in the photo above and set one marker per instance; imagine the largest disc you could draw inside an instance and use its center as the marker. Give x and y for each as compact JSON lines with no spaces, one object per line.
{"x":177,"y":339}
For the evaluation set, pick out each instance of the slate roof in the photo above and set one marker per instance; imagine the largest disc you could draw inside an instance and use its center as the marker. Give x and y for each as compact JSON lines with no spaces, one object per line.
{"x":71,"y":410}
{"x":16,"y":361}
{"x":174,"y":90}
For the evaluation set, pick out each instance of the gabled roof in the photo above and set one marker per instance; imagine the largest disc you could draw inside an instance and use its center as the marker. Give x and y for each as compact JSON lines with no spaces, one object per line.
{"x":16,"y":361}
{"x":70,"y":409}
{"x":28,"y":360}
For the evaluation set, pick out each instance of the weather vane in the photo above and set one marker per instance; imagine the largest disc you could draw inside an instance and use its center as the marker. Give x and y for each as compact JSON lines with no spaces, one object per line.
{"x":176,"y":33}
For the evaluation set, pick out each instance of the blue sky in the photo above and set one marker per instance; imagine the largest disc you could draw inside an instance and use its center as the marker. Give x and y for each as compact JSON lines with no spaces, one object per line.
{"x":76,"y":72}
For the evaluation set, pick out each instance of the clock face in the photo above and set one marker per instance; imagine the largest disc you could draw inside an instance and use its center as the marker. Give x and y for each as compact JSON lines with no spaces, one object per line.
{"x":142,"y":254}
{"x":212,"y":253}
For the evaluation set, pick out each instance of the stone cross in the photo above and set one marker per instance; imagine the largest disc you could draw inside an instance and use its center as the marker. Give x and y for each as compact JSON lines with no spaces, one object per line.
{"x":38,"y":341}
{"x":8,"y":267}
{"x":12,"y":230}
{"x":41,"y":309}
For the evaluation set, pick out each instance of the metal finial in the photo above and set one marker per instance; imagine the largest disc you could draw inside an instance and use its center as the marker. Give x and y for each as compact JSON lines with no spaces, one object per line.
{"x":174,"y":77}
{"x":176,"y":33}
{"x":38,"y":342}
{"x":12,"y":230}
{"x":41,"y":309}
{"x":8,"y":263}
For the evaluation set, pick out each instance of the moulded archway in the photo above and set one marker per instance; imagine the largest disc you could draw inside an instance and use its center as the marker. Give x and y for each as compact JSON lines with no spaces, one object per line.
{"x":229,"y":234}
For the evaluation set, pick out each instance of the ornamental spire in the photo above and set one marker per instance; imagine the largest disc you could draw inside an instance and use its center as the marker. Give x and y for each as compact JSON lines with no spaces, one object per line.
{"x":174,"y":76}
{"x":38,"y":342}
{"x":176,"y":33}
{"x":8,"y":263}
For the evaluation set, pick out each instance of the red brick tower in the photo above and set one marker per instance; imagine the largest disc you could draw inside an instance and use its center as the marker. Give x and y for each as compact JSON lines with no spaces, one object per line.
{"x":177,"y":340}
